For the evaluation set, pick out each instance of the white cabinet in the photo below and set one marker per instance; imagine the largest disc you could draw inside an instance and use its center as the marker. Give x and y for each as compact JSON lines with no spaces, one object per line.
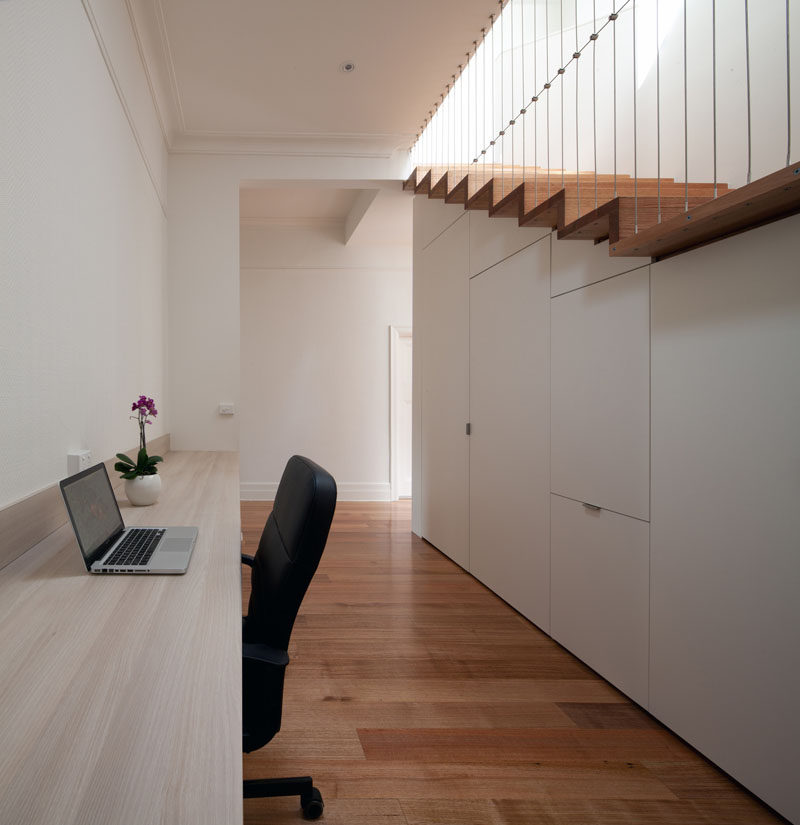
{"x":492,"y":240}
{"x":599,"y":592}
{"x":509,"y":413}
{"x":577,"y":264}
{"x":431,"y":218}
{"x":441,"y":278}
{"x":725,"y":648}
{"x":600,"y":362}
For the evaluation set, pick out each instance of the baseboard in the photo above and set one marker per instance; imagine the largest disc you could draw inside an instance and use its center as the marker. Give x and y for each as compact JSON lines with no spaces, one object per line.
{"x":26,"y":522}
{"x":346,"y":490}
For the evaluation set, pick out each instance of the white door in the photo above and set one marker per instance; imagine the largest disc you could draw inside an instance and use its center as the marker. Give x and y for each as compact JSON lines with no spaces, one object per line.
{"x":441,"y":276}
{"x":509,"y":495}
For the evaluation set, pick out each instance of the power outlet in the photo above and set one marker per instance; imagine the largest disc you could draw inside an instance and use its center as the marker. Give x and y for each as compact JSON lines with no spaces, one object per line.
{"x":78,"y":461}
{"x":226,"y":409}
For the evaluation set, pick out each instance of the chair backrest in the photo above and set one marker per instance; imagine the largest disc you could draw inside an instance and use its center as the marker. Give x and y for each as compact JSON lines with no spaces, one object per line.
{"x":289,"y":551}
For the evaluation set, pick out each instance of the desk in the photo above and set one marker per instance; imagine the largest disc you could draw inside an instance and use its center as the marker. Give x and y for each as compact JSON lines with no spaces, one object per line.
{"x":120,"y":696}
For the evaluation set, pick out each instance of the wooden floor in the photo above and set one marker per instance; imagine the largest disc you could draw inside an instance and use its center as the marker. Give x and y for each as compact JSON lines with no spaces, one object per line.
{"x":415,"y":696}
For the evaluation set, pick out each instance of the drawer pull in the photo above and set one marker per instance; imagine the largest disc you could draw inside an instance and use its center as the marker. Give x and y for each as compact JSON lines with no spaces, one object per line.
{"x":593,"y":507}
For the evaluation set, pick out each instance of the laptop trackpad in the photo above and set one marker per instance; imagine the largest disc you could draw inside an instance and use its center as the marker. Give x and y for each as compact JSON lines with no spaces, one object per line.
{"x":176,"y":546}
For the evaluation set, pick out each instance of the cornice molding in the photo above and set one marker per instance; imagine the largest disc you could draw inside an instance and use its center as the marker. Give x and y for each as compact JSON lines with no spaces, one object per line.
{"x":298,"y":144}
{"x":98,"y":35}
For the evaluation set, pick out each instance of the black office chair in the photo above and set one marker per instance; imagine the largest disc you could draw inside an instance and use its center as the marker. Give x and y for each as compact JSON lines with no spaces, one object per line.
{"x":287,"y":557}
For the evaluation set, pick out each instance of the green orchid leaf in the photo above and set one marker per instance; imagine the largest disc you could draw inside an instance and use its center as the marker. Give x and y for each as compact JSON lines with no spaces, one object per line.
{"x":130,"y":475}
{"x":123,"y":468}
{"x":154,"y":459}
{"x":125,"y":458}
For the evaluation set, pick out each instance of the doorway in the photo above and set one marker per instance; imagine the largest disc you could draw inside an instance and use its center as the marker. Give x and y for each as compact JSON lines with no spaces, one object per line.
{"x":400,"y":348}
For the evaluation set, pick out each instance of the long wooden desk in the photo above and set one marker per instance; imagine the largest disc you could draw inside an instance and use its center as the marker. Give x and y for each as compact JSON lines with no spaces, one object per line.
{"x":120,"y":696}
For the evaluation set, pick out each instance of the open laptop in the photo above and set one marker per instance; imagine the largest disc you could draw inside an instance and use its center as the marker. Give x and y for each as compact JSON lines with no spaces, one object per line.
{"x":107,"y":545}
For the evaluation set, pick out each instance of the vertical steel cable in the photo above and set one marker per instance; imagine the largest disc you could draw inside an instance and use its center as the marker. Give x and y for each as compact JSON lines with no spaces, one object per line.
{"x":453,"y":117}
{"x":474,"y":78}
{"x":522,"y":93}
{"x":547,"y":85}
{"x":535,"y":100}
{"x":658,"y":115}
{"x":714,"y":87}
{"x":442,"y":136}
{"x":511,"y":120}
{"x":484,"y":113}
{"x":613,"y":18}
{"x":635,"y":134}
{"x":747,"y":66}
{"x":788,"y":92}
{"x":501,"y":130}
{"x":561,"y":89}
{"x":594,"y":94}
{"x":576,"y":54}
{"x":492,"y":94}
{"x":686,"y":112}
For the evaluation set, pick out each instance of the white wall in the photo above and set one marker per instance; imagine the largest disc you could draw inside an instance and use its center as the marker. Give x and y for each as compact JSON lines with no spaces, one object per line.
{"x":204,"y":277}
{"x":82,"y":239}
{"x":315,"y":317}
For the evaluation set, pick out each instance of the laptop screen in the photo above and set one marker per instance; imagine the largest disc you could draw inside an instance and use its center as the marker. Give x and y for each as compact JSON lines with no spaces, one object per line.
{"x":92,"y":509}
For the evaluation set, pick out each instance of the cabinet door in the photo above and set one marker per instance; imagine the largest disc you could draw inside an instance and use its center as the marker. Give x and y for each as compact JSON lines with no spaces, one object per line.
{"x":599,"y":590}
{"x":601,"y":394}
{"x":509,"y":411}
{"x":445,"y":396}
{"x":725,"y":665}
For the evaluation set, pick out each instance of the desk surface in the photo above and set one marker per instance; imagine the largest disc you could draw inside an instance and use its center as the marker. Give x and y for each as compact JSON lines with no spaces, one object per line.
{"x":120,"y":696}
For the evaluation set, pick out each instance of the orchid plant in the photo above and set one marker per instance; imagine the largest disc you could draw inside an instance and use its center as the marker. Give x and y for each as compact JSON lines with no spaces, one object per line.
{"x":145,"y":411}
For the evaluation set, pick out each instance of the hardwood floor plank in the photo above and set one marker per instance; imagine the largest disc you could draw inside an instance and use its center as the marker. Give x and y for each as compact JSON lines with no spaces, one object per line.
{"x":498,"y":780}
{"x":417,"y":697}
{"x":621,"y":716}
{"x":335,"y":713}
{"x":337,"y":812}
{"x":519,"y":745}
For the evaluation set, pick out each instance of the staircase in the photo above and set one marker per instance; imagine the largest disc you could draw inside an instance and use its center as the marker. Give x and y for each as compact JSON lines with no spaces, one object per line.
{"x":644,"y":217}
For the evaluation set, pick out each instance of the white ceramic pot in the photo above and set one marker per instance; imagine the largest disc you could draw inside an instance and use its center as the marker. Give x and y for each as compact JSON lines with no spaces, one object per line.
{"x":143,"y":490}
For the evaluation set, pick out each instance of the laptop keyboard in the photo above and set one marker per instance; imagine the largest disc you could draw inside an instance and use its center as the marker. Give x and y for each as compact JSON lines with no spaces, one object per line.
{"x":136,"y":548}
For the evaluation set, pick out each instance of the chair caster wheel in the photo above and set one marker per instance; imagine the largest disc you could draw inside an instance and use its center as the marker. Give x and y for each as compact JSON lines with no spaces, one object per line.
{"x":312,"y":805}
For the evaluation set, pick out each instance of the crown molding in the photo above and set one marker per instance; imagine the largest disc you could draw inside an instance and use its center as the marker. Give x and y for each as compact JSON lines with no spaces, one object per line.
{"x":115,"y":81}
{"x":299,"y":144}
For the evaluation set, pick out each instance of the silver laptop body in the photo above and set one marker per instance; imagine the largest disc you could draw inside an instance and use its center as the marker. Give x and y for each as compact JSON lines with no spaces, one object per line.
{"x":107,"y":545}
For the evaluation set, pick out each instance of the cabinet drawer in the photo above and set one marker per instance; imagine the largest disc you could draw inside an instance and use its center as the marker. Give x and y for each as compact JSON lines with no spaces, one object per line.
{"x":599,"y":591}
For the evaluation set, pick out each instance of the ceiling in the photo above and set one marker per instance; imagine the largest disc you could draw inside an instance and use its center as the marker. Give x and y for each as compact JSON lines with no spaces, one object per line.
{"x":375,"y":216}
{"x":266,"y":204}
{"x":263,"y":71}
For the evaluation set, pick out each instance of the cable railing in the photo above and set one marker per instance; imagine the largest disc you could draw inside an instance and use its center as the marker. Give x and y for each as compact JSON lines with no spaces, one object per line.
{"x":661,"y":105}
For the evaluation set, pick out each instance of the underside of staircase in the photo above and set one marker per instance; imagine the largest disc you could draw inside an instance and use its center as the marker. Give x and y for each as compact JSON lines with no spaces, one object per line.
{"x":646,"y":217}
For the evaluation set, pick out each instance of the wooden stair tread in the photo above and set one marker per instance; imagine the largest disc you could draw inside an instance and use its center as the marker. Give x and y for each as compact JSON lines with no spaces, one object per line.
{"x":761,"y":201}
{"x":640,"y":218}
{"x":618,"y":219}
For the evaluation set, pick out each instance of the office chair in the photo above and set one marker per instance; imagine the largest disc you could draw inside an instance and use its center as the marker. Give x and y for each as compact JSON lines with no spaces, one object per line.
{"x":287,"y":557}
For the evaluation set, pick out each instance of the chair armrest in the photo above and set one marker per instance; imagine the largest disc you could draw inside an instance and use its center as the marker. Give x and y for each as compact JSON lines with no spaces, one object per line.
{"x":255,"y":652}
{"x":248,"y":560}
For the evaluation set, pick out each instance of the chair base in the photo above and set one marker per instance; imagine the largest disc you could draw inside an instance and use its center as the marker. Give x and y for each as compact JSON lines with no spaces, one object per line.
{"x":302,"y":786}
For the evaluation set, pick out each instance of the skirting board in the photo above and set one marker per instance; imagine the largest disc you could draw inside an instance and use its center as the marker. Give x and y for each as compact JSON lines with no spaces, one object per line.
{"x":345,"y":491}
{"x":28,"y":521}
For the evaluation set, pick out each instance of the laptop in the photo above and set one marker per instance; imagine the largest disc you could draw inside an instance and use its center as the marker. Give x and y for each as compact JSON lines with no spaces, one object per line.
{"x":107,"y":545}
